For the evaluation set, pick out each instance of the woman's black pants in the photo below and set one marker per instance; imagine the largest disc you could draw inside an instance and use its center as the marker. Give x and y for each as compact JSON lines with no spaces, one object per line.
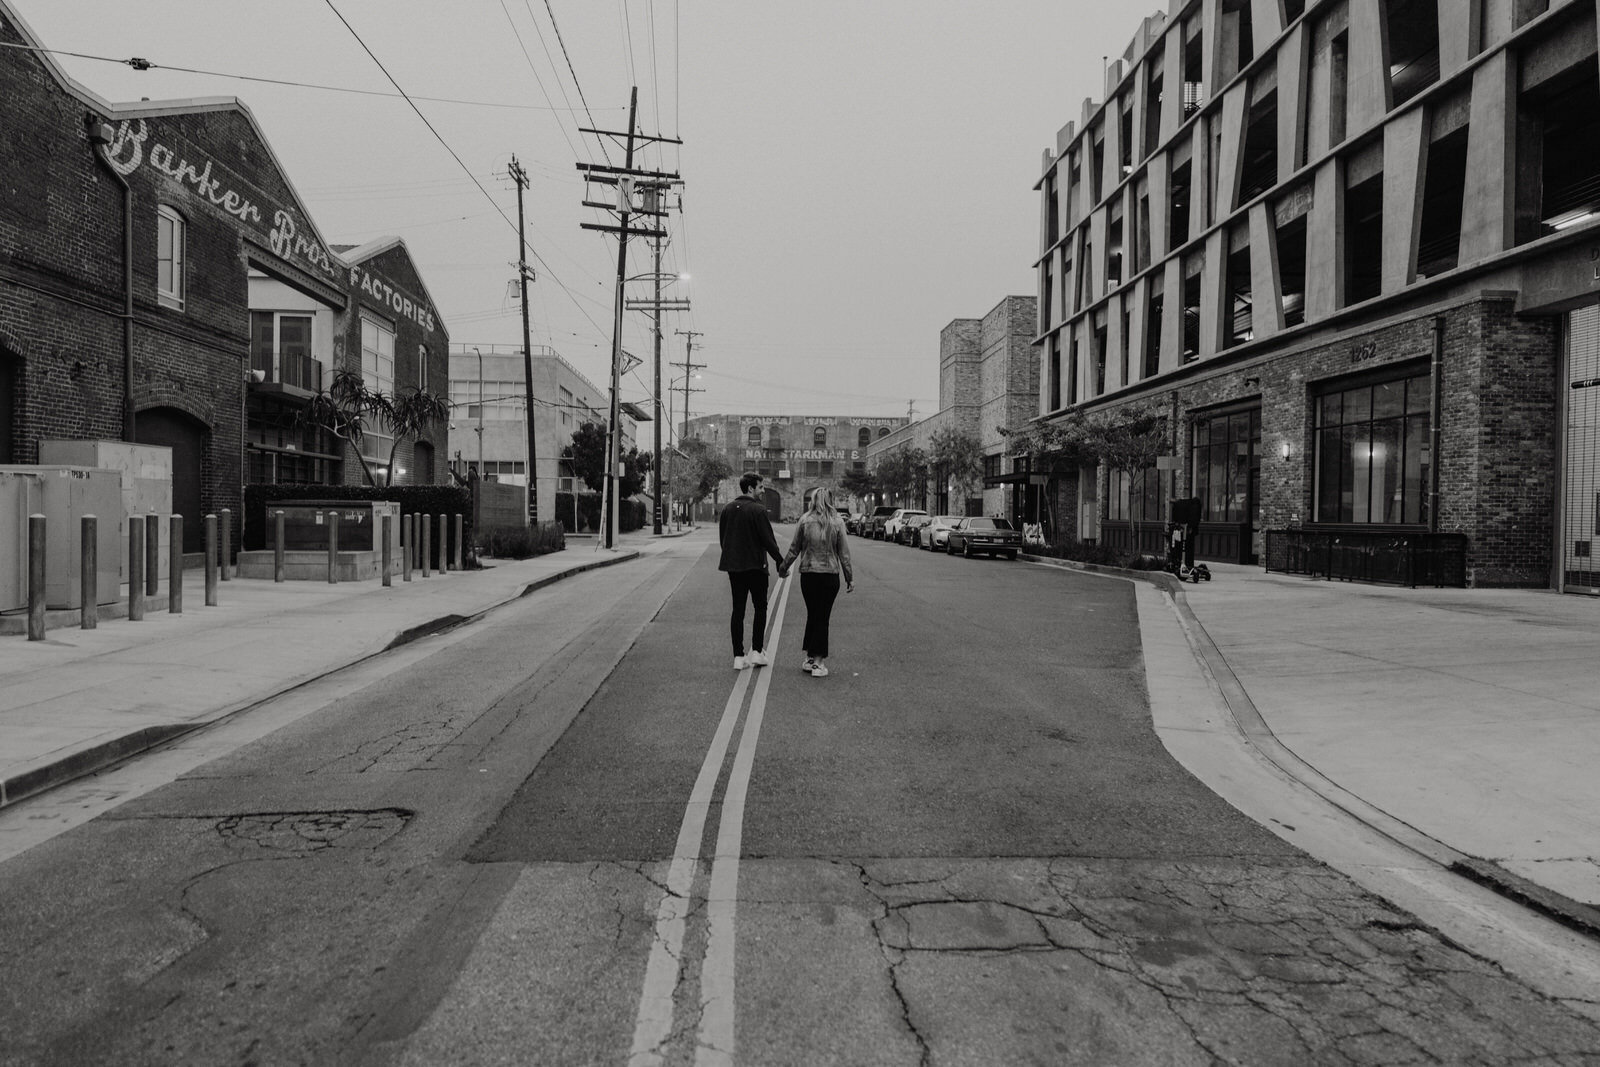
{"x":820,"y":591}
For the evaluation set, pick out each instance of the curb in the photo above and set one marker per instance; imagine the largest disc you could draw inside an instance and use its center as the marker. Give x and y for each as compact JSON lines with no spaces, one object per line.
{"x":1247,"y":719}
{"x":99,"y":757}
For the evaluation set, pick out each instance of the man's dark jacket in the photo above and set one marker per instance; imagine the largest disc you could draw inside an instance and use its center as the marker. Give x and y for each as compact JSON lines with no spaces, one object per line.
{"x":746,"y":535}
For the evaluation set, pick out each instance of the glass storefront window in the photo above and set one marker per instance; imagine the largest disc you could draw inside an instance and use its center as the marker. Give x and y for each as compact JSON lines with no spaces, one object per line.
{"x":1372,"y":463}
{"x":1225,"y":465}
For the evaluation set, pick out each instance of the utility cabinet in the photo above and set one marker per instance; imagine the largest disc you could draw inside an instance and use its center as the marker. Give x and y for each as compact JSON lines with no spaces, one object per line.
{"x":146,"y":477}
{"x":63,"y":495}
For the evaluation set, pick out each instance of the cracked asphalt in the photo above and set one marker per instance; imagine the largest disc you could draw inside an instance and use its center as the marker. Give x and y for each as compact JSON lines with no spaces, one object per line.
{"x":965,"y":846}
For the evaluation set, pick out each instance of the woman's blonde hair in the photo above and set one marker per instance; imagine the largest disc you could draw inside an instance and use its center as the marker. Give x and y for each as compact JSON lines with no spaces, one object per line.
{"x":822,"y":503}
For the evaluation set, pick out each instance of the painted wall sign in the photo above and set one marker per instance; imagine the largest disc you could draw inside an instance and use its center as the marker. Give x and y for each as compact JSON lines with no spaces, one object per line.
{"x":127,"y":153}
{"x":393,"y":298}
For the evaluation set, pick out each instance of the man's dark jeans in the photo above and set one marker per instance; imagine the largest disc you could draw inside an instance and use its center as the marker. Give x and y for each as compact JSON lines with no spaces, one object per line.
{"x":754,"y":585}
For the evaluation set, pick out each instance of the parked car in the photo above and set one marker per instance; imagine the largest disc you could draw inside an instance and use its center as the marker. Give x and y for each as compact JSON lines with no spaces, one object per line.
{"x":872,"y":525}
{"x":891,"y":525}
{"x":979,"y":533}
{"x":934,"y":534}
{"x":910,"y":527}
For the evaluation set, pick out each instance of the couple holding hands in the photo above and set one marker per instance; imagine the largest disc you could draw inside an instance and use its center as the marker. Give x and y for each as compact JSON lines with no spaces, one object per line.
{"x":819,"y":548}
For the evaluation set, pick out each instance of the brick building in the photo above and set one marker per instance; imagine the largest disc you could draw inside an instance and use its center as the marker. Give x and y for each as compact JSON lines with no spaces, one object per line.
{"x":988,"y":381}
{"x":1347,"y":249}
{"x":795,"y":453}
{"x":161,"y":282}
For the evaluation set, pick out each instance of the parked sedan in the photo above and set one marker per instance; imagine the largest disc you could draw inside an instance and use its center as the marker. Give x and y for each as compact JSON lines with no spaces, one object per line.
{"x":979,"y":533}
{"x":891,"y":525}
{"x":910,"y":527}
{"x":934,"y":534}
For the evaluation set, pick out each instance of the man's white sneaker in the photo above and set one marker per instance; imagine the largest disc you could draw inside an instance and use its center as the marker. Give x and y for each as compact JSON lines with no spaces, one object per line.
{"x":740,"y":663}
{"x":819,"y":670}
{"x":758,"y":658}
{"x":808,"y":664}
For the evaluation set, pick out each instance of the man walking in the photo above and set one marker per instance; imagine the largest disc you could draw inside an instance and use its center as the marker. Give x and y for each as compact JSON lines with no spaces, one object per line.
{"x":745,"y":532}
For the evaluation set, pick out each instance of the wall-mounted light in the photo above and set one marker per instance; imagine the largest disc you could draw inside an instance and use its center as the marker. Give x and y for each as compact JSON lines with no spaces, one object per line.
{"x":1283,"y":450}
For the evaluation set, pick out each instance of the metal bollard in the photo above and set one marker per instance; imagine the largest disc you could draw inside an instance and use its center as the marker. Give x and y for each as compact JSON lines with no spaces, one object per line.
{"x":152,"y":555}
{"x":408,"y":539}
{"x":427,"y":546}
{"x":175,"y":565}
{"x":277,"y":546}
{"x":227,"y":544}
{"x":135,"y":568}
{"x":211,"y":561}
{"x":333,"y":548}
{"x":444,"y":542}
{"x":35,"y":577}
{"x":89,"y":572}
{"x":459,"y":529}
{"x":388,"y":558}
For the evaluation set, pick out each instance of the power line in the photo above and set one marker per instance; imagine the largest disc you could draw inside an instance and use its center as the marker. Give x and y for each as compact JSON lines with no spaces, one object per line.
{"x":540,"y":81}
{"x":437,"y":136}
{"x":140,"y":64}
{"x":575,"y":83}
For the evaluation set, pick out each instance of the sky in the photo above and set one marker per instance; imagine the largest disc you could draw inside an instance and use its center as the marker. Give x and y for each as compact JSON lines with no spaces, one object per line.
{"x":856,"y":173}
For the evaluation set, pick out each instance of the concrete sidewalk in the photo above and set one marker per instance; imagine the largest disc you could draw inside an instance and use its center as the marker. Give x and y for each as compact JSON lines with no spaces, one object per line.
{"x":83,"y":699}
{"x":1470,"y":717}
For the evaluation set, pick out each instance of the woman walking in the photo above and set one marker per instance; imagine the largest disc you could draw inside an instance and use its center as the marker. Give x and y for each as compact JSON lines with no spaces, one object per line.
{"x":824,"y":554}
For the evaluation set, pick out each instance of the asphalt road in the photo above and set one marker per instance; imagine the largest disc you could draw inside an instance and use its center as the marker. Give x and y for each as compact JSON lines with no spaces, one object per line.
{"x":572,"y":834}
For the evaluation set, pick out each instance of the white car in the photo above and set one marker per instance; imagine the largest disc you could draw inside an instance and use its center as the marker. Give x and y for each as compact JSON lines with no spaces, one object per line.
{"x":891,"y":525}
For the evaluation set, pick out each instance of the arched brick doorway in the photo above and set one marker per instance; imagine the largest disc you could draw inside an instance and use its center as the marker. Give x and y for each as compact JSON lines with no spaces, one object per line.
{"x":10,"y":371}
{"x":186,"y":436}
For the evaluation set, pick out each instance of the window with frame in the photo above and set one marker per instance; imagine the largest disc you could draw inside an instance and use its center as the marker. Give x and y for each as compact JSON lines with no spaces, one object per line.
{"x":422,"y":367}
{"x":377,"y":373}
{"x":1225,"y":464}
{"x":752,"y":437}
{"x":1138,"y":496}
{"x":280,"y":349}
{"x":1371,"y":442}
{"x":171,"y":257}
{"x":864,"y":437}
{"x":819,"y":437}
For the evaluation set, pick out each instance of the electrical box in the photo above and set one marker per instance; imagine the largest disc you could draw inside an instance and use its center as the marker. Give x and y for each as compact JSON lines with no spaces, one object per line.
{"x":63,"y":495}
{"x":146,"y":476}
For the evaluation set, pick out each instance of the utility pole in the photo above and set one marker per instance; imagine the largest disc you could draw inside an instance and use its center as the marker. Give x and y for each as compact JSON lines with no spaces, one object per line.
{"x":520,"y":176}
{"x":656,"y":307}
{"x":626,"y":179}
{"x":689,"y":367}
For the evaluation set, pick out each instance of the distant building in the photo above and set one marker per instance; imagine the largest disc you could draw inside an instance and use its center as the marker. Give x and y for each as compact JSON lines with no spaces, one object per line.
{"x":795,"y":453}
{"x":488,"y":427}
{"x":1348,"y":249}
{"x":988,"y":381}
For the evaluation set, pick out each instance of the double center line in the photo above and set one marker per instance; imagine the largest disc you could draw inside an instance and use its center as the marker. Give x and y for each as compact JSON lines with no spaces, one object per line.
{"x":664,"y":972}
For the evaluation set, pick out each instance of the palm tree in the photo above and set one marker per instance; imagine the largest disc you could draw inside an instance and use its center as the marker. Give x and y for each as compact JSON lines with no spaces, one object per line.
{"x":347,"y":409}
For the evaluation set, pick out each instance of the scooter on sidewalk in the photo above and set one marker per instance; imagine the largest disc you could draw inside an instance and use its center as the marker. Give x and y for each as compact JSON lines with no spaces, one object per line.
{"x":1182,"y":528}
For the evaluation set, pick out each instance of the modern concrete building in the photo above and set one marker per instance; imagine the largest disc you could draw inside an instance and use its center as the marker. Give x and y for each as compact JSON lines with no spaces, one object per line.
{"x":988,"y":381}
{"x":1348,"y":248}
{"x":795,"y":453}
{"x":488,"y":427}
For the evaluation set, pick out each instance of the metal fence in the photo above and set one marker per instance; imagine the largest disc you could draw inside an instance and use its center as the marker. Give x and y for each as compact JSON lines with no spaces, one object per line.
{"x":1436,"y":559}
